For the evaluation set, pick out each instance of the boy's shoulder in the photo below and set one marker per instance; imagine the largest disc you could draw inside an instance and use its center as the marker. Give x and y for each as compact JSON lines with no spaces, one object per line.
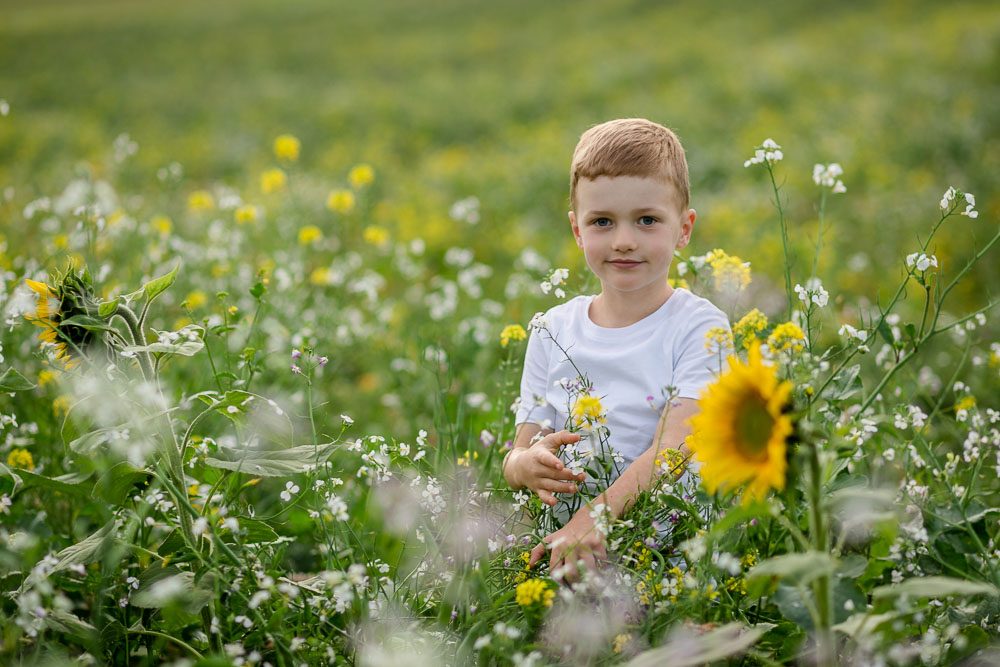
{"x":692,"y":305}
{"x":562,"y":314}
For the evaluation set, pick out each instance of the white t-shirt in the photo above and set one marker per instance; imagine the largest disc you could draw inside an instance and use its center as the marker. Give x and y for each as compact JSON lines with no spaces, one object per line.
{"x":629,"y":367}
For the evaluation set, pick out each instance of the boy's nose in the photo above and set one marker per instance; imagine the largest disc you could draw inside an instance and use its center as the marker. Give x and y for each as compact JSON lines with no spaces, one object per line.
{"x":623,"y":239}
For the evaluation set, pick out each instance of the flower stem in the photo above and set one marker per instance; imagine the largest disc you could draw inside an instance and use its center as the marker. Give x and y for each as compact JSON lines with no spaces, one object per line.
{"x":826,"y":653}
{"x":784,"y":239}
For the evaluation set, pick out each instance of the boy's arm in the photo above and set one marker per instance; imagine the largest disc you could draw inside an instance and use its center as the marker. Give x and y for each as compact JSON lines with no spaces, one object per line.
{"x":578,"y":537}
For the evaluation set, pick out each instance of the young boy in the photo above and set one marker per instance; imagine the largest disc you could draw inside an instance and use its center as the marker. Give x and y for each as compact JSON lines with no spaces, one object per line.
{"x":630,"y":210}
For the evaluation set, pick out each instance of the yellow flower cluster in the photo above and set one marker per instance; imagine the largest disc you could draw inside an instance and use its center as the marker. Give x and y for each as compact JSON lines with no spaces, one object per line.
{"x":464,"y":460}
{"x":361,"y":175}
{"x":246,"y":214}
{"x":195,"y":299}
{"x":340,"y":201}
{"x":587,"y":410}
{"x":309,"y":234}
{"x":376,"y":235}
{"x":162,"y":224}
{"x":730,"y":272}
{"x":534,"y":591}
{"x":747,"y":328}
{"x":525,"y":558}
{"x":718,"y":340}
{"x":201,"y":200}
{"x":786,"y":336}
{"x":273,"y":180}
{"x":670,"y":460}
{"x":20,"y":458}
{"x":621,"y":641}
{"x":678,"y":283}
{"x":287,"y":147}
{"x":512,"y":332}
{"x":965,"y":403}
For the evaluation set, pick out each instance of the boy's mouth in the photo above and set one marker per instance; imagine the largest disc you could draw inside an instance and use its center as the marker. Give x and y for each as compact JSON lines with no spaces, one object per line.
{"x":624,"y":263}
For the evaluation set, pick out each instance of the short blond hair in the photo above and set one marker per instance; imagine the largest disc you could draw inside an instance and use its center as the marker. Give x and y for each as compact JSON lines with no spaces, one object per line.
{"x":630,"y":147}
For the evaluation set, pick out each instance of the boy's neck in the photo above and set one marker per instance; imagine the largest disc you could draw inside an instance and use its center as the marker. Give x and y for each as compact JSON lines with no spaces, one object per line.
{"x":614,"y":310}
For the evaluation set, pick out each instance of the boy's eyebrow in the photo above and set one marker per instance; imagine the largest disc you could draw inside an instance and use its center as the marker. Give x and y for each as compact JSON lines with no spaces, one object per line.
{"x":645,"y":209}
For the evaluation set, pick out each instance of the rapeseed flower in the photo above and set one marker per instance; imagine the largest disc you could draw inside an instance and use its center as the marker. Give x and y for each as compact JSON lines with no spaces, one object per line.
{"x":201,"y":200}
{"x":162,"y":224}
{"x":20,"y":458}
{"x":512,"y":332}
{"x":741,"y":432}
{"x":786,"y":336}
{"x":534,"y":591}
{"x":246,"y":214}
{"x":340,"y":201}
{"x":273,"y":180}
{"x":621,"y":641}
{"x":196,"y":299}
{"x":286,"y":147}
{"x":729,"y":271}
{"x":309,"y":234}
{"x":588,"y":410}
{"x":376,"y":235}
{"x":749,"y":326}
{"x":361,"y":175}
{"x":719,"y":340}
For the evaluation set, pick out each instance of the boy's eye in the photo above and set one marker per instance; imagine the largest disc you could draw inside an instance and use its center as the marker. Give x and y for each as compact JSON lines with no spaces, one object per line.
{"x":647,"y":220}
{"x":602,"y":222}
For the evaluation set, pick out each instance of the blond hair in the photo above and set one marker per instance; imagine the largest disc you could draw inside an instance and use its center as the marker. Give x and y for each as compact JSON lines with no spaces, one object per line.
{"x":630,"y":147}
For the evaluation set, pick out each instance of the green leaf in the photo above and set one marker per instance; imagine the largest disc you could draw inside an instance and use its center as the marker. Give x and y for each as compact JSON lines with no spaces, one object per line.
{"x":88,"y":550}
{"x":108,"y":308}
{"x":934,"y":587}
{"x":90,"y":443}
{"x":796,"y":567}
{"x":70,"y":624}
{"x":87,"y":322}
{"x":70,"y":483}
{"x":736,"y":516}
{"x":116,"y":484}
{"x":863,"y":624}
{"x":886,"y":332}
{"x":258,"y":290}
{"x":159,"y":285}
{"x":692,"y":648}
{"x":845,"y":384}
{"x":272,"y":463}
{"x":164,"y":586}
{"x":186,"y":341}
{"x":7,"y":472}
{"x":172,"y":543}
{"x":11,"y":380}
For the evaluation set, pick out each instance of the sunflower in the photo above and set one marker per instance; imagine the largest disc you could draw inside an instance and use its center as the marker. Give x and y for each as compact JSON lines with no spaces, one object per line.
{"x":74,"y":294}
{"x":741,"y":432}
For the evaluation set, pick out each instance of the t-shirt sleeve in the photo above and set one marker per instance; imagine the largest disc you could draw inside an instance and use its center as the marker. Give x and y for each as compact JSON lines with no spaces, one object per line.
{"x":694,"y":367}
{"x":532,"y":406}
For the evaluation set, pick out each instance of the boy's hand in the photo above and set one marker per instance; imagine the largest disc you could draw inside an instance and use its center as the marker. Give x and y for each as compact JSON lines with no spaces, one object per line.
{"x":577,"y":544}
{"x":538,"y":468}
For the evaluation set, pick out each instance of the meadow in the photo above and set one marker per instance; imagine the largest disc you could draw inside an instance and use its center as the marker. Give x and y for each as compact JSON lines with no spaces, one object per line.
{"x":268,"y":269}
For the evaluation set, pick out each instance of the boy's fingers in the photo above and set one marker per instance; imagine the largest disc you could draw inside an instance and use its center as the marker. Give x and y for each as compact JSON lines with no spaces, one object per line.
{"x":554,"y":441}
{"x":536,"y":554}
{"x":558,"y":486}
{"x":546,"y":497}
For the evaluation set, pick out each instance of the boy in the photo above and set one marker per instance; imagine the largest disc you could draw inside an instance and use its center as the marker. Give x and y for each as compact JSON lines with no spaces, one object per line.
{"x":630,"y":210}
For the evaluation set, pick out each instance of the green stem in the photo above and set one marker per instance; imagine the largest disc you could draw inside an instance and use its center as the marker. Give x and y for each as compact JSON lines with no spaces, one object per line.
{"x":784,"y":239}
{"x":819,"y":234}
{"x":135,"y":331}
{"x":826,"y":653}
{"x":163,"y":635}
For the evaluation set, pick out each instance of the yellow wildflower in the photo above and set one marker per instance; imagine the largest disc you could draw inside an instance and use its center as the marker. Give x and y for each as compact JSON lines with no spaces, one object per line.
{"x":321,"y":276}
{"x":533,"y":591}
{"x":512,"y":332}
{"x":196,"y":299}
{"x":621,"y":641}
{"x":376,"y":235}
{"x":670,"y":460}
{"x":678,"y":283}
{"x":361,"y":175}
{"x":45,"y":376}
{"x":719,"y":340}
{"x":162,"y":224}
{"x":741,"y":432}
{"x":201,"y":200}
{"x":588,"y":409}
{"x":749,"y":326}
{"x":729,"y":271}
{"x":20,"y":458}
{"x":273,"y":180}
{"x":246,"y":213}
{"x":309,"y":234}
{"x":286,"y":147}
{"x":61,"y":405}
{"x":340,"y":201}
{"x":786,"y":336}
{"x":464,"y":460}
{"x":965,"y":403}
{"x":233,"y":310}
{"x":60,"y":241}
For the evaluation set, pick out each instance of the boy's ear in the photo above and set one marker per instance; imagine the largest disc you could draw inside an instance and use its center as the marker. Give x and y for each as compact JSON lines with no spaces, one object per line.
{"x":576,"y":230}
{"x":687,"y":225}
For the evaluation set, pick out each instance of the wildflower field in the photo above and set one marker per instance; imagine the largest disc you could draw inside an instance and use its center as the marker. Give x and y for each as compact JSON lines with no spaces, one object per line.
{"x":268,"y":272}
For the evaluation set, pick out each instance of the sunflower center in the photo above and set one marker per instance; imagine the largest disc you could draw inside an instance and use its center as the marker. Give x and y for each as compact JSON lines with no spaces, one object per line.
{"x":753,"y":426}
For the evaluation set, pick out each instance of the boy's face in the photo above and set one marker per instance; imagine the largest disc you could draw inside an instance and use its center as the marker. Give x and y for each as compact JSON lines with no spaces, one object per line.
{"x":628,"y":228}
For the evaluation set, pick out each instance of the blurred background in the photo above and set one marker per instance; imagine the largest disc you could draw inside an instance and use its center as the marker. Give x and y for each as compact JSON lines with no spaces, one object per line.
{"x":450,"y":100}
